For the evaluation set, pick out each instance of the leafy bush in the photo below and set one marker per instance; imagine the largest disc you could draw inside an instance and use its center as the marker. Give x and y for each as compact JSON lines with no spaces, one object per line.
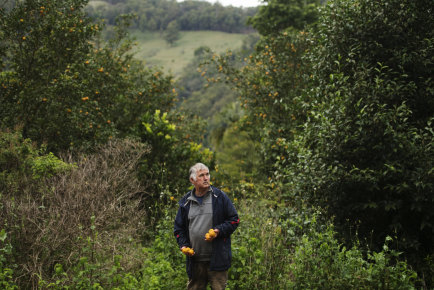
{"x":6,"y":273}
{"x":21,"y":159}
{"x":172,"y":139}
{"x":279,"y":15}
{"x":290,"y":247}
{"x":271,"y":86}
{"x":260,"y":247}
{"x":164,"y":267}
{"x":321,"y":262}
{"x":91,"y":270}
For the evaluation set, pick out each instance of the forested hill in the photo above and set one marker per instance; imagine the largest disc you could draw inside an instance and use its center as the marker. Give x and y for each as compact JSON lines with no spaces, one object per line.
{"x":156,"y":15}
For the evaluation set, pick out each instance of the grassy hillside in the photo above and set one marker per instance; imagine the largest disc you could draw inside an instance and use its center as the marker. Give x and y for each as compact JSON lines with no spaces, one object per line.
{"x":155,"y":51}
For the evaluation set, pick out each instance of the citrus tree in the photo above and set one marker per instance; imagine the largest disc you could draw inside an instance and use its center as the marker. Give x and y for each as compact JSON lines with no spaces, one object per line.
{"x":63,"y":86}
{"x":271,"y":85}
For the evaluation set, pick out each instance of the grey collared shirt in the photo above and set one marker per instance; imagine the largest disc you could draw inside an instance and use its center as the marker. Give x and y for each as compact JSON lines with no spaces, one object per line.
{"x":200,"y":221}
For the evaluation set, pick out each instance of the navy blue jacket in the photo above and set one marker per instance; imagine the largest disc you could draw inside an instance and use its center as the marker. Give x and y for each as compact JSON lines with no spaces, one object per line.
{"x":225,"y":219}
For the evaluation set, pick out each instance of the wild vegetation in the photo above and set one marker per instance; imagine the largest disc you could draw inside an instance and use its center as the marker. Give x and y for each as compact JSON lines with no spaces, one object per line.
{"x":346,"y":120}
{"x":322,"y":137}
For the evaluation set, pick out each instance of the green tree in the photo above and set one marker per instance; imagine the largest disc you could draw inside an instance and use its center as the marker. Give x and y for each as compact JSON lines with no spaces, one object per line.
{"x":237,"y":155}
{"x":172,"y":33}
{"x":366,"y":152}
{"x":62,"y":86}
{"x":190,"y":15}
{"x":278,"y":15}
{"x":271,"y":86}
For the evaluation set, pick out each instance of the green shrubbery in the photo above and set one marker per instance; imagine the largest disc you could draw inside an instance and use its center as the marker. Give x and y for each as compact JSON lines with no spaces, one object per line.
{"x":321,"y":262}
{"x":91,"y":269}
{"x":164,"y":267}
{"x":344,"y":112}
{"x":162,"y":264}
{"x":6,"y":273}
{"x":281,"y":249}
{"x":173,"y":141}
{"x":288,"y":249}
{"x":93,"y":237}
{"x":369,"y":135}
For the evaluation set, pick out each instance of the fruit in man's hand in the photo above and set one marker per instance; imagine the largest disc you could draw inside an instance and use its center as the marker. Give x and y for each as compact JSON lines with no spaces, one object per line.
{"x":187,"y":251}
{"x":210,"y":235}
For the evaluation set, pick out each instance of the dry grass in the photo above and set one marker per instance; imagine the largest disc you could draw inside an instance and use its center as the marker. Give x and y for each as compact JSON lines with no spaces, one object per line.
{"x":45,"y":222}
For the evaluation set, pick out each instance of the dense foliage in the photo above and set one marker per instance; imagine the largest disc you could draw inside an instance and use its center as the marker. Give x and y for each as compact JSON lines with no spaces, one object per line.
{"x":48,"y":204}
{"x":64,"y":91}
{"x":63,"y":87}
{"x":347,"y":114}
{"x":370,"y":128}
{"x":278,"y":15}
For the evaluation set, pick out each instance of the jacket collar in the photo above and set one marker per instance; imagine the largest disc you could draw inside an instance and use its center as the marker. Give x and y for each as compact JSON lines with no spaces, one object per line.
{"x":187,"y":198}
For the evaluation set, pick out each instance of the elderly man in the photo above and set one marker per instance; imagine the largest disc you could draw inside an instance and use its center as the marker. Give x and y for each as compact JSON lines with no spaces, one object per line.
{"x":205,"y":220}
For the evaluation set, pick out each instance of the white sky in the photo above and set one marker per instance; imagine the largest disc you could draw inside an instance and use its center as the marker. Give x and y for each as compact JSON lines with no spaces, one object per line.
{"x":236,"y":3}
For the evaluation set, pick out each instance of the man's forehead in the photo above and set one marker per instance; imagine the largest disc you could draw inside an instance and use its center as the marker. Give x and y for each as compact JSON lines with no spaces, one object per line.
{"x":202,"y":171}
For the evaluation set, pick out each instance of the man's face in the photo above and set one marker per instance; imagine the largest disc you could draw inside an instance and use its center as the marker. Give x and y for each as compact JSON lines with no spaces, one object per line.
{"x":202,"y":179}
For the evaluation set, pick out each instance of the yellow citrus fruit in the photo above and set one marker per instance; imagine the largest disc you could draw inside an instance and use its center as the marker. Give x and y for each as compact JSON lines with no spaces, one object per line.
{"x":207,"y":237}
{"x":187,"y":251}
{"x":212,"y":233}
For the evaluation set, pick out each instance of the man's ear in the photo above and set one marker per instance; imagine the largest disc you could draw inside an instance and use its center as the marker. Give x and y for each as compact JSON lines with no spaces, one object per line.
{"x":192,"y":180}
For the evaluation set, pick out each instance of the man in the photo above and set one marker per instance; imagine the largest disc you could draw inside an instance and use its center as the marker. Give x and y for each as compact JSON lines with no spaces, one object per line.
{"x":200,"y":210}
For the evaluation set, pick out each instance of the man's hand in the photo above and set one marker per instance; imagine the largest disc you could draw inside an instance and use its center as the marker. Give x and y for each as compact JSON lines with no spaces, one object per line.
{"x":187,"y":251}
{"x":211,"y":234}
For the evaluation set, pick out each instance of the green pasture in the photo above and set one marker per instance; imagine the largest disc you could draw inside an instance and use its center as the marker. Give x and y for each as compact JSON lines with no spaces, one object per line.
{"x":155,"y":51}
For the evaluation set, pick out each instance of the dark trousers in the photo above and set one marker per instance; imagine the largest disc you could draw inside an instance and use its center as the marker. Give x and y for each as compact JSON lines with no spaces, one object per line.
{"x":201,"y":276}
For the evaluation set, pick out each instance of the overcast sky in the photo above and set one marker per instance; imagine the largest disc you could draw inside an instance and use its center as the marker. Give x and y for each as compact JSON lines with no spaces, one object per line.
{"x":237,"y":3}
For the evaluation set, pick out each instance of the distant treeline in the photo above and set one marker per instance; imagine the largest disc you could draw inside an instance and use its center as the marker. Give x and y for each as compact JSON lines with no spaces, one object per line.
{"x":155,"y":15}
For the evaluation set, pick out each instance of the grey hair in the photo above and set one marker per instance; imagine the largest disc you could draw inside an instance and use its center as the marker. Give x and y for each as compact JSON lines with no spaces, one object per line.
{"x":195,"y":168}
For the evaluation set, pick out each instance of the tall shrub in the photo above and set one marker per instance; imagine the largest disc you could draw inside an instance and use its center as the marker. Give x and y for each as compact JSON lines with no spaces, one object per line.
{"x":366,"y":153}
